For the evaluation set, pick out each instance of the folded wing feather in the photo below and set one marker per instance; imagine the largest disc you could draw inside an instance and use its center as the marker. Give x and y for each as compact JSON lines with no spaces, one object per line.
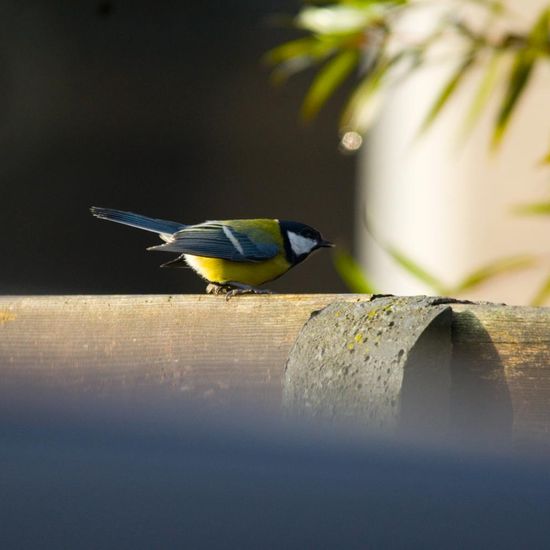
{"x":216,"y":240}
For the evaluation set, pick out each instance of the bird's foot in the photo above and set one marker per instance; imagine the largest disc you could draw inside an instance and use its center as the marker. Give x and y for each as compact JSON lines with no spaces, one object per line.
{"x":234,"y":289}
{"x":215,"y":288}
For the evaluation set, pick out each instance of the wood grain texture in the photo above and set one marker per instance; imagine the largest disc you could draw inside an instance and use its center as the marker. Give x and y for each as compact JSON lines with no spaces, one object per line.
{"x":505,"y":351}
{"x":203,"y":347}
{"x":200,"y":346}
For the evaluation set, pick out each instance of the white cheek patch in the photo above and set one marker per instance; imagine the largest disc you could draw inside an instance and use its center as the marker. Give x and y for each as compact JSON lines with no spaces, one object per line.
{"x":300,"y":245}
{"x":233,"y":239}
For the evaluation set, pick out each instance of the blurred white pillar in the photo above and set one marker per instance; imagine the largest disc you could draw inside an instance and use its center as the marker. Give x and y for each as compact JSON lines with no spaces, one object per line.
{"x":449,"y":207}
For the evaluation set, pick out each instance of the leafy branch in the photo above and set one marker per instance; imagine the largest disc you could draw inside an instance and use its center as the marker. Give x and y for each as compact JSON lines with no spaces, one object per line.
{"x":358,"y":281}
{"x":364,"y":41}
{"x":363,"y":38}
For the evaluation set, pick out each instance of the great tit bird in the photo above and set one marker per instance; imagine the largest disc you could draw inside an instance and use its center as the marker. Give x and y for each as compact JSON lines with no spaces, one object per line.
{"x":234,"y":256}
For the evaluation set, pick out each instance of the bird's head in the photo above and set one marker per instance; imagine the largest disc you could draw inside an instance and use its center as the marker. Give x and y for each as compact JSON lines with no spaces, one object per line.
{"x":301,"y":240}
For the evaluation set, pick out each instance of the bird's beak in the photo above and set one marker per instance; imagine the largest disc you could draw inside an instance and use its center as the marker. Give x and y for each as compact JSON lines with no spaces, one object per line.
{"x":326,"y":244}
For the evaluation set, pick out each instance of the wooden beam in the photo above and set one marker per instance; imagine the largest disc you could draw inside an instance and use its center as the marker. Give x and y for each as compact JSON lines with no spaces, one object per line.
{"x":502,"y":369}
{"x":200,"y":346}
{"x":203,"y":347}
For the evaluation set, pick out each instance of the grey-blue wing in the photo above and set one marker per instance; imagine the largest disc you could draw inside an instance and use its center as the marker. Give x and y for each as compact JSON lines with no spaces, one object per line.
{"x":216,"y":240}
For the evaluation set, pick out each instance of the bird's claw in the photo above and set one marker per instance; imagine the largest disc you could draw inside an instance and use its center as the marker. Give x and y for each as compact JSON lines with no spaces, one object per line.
{"x":214,"y":288}
{"x":231,"y":290}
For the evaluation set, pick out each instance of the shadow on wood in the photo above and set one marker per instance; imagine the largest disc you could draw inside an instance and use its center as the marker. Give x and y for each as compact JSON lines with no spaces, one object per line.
{"x":480,"y":404}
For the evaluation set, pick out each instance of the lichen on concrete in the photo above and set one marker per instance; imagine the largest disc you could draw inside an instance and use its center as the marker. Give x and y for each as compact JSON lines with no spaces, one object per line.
{"x":351,"y":359}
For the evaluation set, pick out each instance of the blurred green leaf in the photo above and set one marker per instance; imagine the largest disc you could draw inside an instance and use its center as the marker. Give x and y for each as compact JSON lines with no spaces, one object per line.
{"x":297,"y":55}
{"x":352,"y":274}
{"x":491,"y":270}
{"x":546,"y":159}
{"x":521,"y":72}
{"x":417,"y":271}
{"x":536,"y":208}
{"x":448,"y":90}
{"x":494,"y":5}
{"x":483,"y":92}
{"x":294,"y":48}
{"x":543,"y":294}
{"x":288,"y":68}
{"x":367,"y":2}
{"x":327,"y":80}
{"x":339,"y":18}
{"x":472,"y":280}
{"x":518,"y":79}
{"x":539,"y":35}
{"x":362,"y":107}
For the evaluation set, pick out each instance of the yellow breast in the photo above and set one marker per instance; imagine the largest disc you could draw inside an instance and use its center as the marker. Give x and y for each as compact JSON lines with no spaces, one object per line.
{"x":220,"y":271}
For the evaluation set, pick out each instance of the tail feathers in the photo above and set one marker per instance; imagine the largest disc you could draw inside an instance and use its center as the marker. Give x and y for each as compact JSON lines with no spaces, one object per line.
{"x":137,"y":220}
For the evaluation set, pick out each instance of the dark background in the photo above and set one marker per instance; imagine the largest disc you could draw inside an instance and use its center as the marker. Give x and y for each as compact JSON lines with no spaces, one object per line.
{"x":162,"y":108}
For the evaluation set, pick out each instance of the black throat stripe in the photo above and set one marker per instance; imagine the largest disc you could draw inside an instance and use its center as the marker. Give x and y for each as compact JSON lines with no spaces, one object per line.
{"x":289,"y":253}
